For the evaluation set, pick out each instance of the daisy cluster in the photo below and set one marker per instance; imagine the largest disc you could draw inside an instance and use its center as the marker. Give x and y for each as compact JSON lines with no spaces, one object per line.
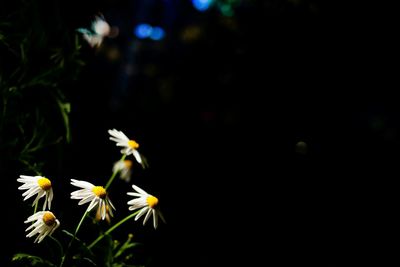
{"x":43,"y":223}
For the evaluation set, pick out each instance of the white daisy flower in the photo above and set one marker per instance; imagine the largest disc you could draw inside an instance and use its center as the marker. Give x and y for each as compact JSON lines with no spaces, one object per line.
{"x":95,"y":35}
{"x":129,"y":146}
{"x":124,"y":167}
{"x":45,"y":223}
{"x":96,"y":195}
{"x":101,"y":27}
{"x":93,"y":40}
{"x":36,"y":185}
{"x":147,"y":203}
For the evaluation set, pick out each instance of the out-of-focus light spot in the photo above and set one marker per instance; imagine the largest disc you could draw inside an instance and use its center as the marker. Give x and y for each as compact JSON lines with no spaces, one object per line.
{"x":202,"y":5}
{"x":191,"y":34}
{"x":377,"y":123}
{"x":301,"y":148}
{"x":227,"y":10}
{"x":150,"y":70}
{"x":208,"y":116}
{"x":157,"y":34}
{"x":114,"y":32}
{"x":112,"y":53}
{"x":143,"y":31}
{"x":129,"y":69}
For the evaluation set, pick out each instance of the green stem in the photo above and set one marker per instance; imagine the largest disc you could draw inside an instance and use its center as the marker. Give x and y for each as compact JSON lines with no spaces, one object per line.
{"x":113,"y":228}
{"x":73,"y":238}
{"x":114,"y":173}
{"x":35,"y":209}
{"x":58,"y":243}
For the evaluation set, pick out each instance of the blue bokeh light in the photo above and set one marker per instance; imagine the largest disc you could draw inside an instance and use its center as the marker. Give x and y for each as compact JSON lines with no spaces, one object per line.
{"x":157,"y":34}
{"x":202,"y":5}
{"x":143,"y":31}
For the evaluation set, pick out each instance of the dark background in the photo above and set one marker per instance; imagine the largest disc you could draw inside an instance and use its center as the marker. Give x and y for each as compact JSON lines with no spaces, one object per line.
{"x":219,"y":117}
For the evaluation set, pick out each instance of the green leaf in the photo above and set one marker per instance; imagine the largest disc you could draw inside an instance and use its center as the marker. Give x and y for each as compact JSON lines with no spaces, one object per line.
{"x":33,"y":260}
{"x":82,"y":245}
{"x":65,"y":109}
{"x":127,"y":245}
{"x":84,"y":261}
{"x":72,"y":236}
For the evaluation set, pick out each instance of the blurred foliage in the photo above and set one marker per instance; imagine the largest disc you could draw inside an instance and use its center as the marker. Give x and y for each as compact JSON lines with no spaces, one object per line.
{"x":110,"y":252}
{"x":39,"y":60}
{"x":29,"y":260}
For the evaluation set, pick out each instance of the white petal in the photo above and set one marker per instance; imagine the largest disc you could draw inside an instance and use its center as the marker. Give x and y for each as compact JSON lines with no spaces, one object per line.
{"x":140,"y":214}
{"x":26,"y":186}
{"x":139,"y":190}
{"x":86,"y":199}
{"x":103,"y":209}
{"x":44,"y":234}
{"x":133,"y":208}
{"x":37,"y":230}
{"x":45,"y":201}
{"x":126,"y":151}
{"x":137,"y":156}
{"x":55,"y":227}
{"x":134,"y":194}
{"x":118,"y":134}
{"x":27,"y":182}
{"x":148,"y":214}
{"x":111,"y":204}
{"x":82,"y":184}
{"x":35,"y":216}
{"x":51,"y":195}
{"x":37,"y":199}
{"x":81,"y":193}
{"x":140,"y":201}
{"x":31,"y":226}
{"x":32,"y":191}
{"x":29,"y":177}
{"x":93,"y":204}
{"x":155,"y":219}
{"x":118,"y":140}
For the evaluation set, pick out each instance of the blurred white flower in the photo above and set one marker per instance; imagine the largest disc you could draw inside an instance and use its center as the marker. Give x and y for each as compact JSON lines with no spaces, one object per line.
{"x":124,"y":167}
{"x":101,"y":27}
{"x":148,"y":205}
{"x":129,"y":146}
{"x":95,"y":35}
{"x":45,"y":223}
{"x":96,"y":195}
{"x":36,"y":185}
{"x":92,"y":39}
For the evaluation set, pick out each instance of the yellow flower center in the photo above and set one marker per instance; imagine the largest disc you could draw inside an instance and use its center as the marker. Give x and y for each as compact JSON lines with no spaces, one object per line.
{"x":128,"y":163}
{"x":152,"y":201}
{"x":133,"y":144}
{"x":48,"y":218}
{"x":99,"y":191}
{"x":44,"y":183}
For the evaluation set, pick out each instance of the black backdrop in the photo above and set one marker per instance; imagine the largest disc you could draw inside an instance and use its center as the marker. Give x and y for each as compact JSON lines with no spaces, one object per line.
{"x":221,"y":138}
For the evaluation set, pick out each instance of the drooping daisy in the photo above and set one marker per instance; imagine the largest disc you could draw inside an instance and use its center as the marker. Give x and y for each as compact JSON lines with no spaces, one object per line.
{"x":124,"y":167}
{"x":45,"y":223}
{"x":129,"y":146}
{"x":96,"y":195}
{"x":109,"y":214}
{"x":148,"y":205}
{"x":36,"y":185}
